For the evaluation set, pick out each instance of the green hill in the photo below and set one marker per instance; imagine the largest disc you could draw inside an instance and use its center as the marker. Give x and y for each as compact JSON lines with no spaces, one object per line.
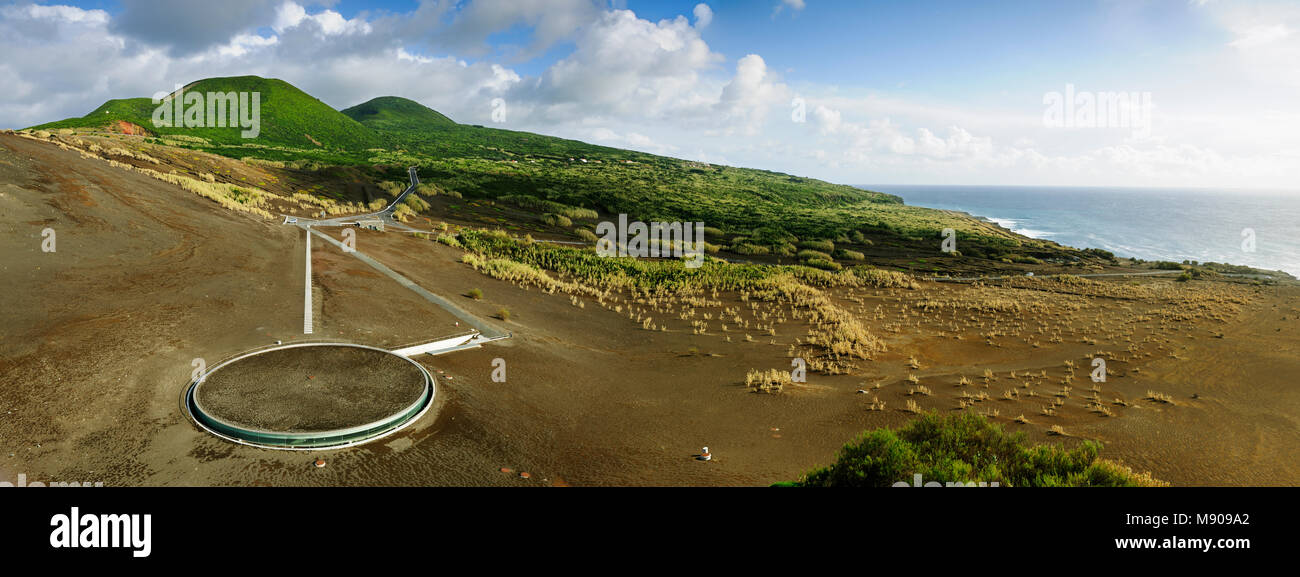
{"x":409,"y":124}
{"x":767,"y":210}
{"x":133,"y":110}
{"x":397,"y":114}
{"x":289,"y":118}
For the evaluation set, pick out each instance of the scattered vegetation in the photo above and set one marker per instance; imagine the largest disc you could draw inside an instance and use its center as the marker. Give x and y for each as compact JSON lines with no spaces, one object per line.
{"x":771,"y":381}
{"x":967,"y":448}
{"x":1159,"y":398}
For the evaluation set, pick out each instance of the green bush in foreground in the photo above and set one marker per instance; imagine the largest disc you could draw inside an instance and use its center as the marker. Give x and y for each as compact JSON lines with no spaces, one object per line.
{"x":967,"y":448}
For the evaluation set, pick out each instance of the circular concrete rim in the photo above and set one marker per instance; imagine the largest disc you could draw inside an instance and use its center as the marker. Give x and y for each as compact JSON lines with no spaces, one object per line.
{"x":197,"y":415}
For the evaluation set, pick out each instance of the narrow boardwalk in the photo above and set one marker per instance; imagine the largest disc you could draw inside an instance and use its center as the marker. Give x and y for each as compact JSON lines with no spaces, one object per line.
{"x":306,"y":303}
{"x":488,"y":330}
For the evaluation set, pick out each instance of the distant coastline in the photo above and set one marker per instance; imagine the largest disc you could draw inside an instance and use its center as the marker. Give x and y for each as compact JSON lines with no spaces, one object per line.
{"x":1203,"y":225}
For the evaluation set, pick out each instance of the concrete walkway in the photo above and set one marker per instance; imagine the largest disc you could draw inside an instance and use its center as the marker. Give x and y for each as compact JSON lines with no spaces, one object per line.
{"x":488,"y":330}
{"x":306,"y":303}
{"x":385,"y":216}
{"x":1090,"y":275}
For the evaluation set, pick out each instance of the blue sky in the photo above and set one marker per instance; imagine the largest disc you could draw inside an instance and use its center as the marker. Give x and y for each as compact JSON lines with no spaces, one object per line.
{"x":934,"y":47}
{"x":931,"y":47}
{"x":891,"y":92}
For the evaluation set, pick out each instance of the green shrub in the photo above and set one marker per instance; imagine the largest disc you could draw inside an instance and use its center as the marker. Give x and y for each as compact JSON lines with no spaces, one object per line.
{"x":884,"y":278}
{"x":416,"y":203}
{"x":846,"y":254}
{"x":449,"y":240}
{"x":966,"y":448}
{"x":750,"y":249}
{"x":475,"y":294}
{"x":557,"y":220}
{"x":1097,"y":252}
{"x":821,"y":245}
{"x":824,"y":264}
{"x":808,"y":254}
{"x":542,"y":205}
{"x":503,"y":313}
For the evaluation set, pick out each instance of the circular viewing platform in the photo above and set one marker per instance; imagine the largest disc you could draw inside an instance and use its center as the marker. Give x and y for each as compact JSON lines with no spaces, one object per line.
{"x":310,"y":396}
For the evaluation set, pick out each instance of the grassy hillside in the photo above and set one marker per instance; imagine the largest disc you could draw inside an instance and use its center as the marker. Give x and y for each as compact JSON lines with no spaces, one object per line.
{"x":397,"y":115}
{"x":486,"y":162}
{"x":407,"y":124}
{"x":762,"y":212}
{"x":289,"y":118}
{"x":132,"y":110}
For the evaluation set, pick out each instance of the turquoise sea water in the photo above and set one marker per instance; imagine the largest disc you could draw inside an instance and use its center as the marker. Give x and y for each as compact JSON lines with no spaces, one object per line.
{"x":1152,"y":224}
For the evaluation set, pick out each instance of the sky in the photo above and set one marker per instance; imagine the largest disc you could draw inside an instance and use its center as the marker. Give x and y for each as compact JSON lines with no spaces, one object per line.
{"x":1175,"y":93}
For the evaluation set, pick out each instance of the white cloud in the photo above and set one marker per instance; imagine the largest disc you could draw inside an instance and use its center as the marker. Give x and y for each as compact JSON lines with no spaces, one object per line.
{"x":66,"y":62}
{"x":327,"y":22}
{"x":56,"y":13}
{"x":703,"y":16}
{"x":751,"y":93}
{"x":240,"y":45}
{"x":631,"y":140}
{"x":186,"y":28}
{"x":659,"y":87}
{"x":627,"y":66}
{"x":793,"y":5}
{"x":288,"y":15}
{"x":828,"y":120}
{"x":1259,"y":35}
{"x":551,"y":21}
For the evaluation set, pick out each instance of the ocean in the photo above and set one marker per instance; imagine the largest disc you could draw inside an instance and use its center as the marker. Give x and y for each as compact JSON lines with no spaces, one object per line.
{"x":1148,"y":223}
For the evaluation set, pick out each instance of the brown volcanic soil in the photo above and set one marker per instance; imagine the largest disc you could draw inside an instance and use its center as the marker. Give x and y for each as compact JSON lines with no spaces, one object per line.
{"x":98,"y":339}
{"x":310,"y":389}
